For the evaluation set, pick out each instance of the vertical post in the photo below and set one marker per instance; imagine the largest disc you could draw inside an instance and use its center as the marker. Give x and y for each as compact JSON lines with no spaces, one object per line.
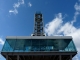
{"x":59,"y":57}
{"x":70,"y":57}
{"x":17,"y":57}
{"x":6,"y":57}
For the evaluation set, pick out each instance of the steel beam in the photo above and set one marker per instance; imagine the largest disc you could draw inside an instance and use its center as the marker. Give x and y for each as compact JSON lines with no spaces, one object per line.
{"x":6,"y":57}
{"x":60,"y":57}
{"x":17,"y":57}
{"x":70,"y":57}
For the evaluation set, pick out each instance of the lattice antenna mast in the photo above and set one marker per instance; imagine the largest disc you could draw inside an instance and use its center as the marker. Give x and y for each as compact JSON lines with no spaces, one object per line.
{"x":38,"y":25}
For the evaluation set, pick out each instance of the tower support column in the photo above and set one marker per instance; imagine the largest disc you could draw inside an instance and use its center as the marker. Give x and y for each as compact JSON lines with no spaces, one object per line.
{"x":70,"y":57}
{"x":17,"y":57}
{"x":59,"y":57}
{"x":6,"y":57}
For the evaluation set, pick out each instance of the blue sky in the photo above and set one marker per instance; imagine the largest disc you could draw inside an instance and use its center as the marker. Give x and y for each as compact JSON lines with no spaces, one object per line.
{"x":60,"y":16}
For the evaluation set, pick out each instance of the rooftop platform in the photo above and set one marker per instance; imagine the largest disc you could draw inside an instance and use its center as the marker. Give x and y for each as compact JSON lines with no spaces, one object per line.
{"x":39,"y":48}
{"x":38,"y":37}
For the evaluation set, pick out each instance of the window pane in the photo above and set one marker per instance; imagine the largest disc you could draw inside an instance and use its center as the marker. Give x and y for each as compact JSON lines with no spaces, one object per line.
{"x":25,"y":45}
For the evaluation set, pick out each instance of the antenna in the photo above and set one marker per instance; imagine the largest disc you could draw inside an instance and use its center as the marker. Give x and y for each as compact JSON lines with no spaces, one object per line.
{"x":38,"y":25}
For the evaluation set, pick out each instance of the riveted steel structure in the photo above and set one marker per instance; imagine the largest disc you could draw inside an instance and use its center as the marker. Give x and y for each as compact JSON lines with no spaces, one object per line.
{"x":39,"y":46}
{"x":38,"y":25}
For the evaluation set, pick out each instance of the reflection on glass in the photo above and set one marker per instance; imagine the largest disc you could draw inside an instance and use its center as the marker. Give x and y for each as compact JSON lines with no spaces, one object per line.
{"x":26,"y":45}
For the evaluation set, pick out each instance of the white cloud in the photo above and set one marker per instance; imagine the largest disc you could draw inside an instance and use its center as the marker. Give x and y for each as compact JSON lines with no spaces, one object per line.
{"x":77,"y":12}
{"x":16,"y":6}
{"x":1,"y":41}
{"x":15,"y":11}
{"x":29,"y":4}
{"x":77,"y":8}
{"x":54,"y":25}
{"x":75,"y":58}
{"x":57,"y":27}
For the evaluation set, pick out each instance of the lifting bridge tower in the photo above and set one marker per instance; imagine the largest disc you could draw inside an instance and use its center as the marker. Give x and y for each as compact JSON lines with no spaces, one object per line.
{"x":38,"y":46}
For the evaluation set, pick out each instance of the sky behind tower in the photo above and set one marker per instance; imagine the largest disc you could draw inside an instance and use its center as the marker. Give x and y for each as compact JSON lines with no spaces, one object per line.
{"x":61,"y":17}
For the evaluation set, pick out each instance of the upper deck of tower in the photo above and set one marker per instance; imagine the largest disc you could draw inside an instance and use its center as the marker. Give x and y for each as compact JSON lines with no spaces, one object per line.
{"x":39,"y":43}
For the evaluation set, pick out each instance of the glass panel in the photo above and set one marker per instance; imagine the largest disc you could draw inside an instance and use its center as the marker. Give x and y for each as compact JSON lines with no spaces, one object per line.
{"x":19,"y":45}
{"x":7,"y":46}
{"x":43,"y":42}
{"x":35,"y":45}
{"x":11,"y":43}
{"x":26,"y":45}
{"x":43,"y":45}
{"x":70,"y":47}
